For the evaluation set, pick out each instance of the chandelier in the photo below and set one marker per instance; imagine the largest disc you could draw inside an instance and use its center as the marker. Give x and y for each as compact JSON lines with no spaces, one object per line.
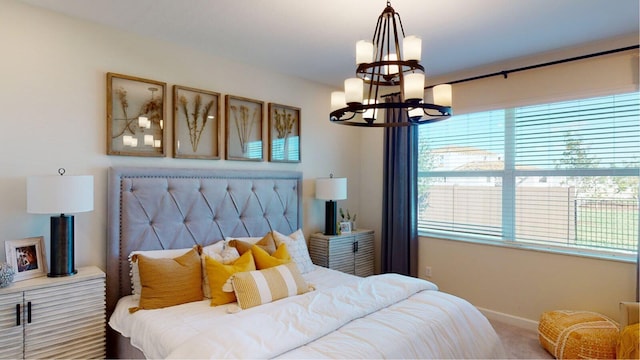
{"x":381,"y":68}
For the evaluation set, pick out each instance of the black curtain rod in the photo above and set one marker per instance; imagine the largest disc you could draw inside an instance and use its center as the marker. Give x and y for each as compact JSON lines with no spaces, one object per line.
{"x":505,"y":73}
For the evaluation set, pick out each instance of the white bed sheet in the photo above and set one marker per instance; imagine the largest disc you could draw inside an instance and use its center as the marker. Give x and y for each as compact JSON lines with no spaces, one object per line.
{"x":429,"y":324}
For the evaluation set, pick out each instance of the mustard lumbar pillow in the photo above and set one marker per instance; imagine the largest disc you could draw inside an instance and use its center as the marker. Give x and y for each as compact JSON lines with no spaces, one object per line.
{"x":218,"y":274}
{"x":169,"y":282}
{"x":267,"y":243}
{"x":264,"y":261}
{"x":258,"y":287}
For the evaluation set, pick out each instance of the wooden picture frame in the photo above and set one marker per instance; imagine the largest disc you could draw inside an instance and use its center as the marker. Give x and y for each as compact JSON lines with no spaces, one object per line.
{"x":27,"y":257}
{"x":243,"y":128}
{"x":284,"y":133}
{"x":135,"y":116}
{"x":196,"y":123}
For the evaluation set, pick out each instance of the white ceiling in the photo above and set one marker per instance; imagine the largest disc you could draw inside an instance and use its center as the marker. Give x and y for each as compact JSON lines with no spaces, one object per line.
{"x":316,"y":39}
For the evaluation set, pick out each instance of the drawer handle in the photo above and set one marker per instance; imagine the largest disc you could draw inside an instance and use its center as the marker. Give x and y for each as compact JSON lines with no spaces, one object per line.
{"x":29,"y":312}
{"x":18,"y":315}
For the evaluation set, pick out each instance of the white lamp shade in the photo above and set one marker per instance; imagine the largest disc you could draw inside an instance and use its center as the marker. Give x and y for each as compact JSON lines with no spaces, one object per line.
{"x":414,"y":86}
{"x":59,"y":194}
{"x":391,"y":69}
{"x":331,"y":188}
{"x":364,"y":52}
{"x":353,"y":88}
{"x":442,"y":95}
{"x":370,"y":113}
{"x":416,"y":112}
{"x":412,"y":48}
{"x":338,"y":100}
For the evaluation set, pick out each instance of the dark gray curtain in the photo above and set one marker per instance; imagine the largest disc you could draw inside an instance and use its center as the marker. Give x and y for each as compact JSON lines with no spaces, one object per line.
{"x":399,"y":248}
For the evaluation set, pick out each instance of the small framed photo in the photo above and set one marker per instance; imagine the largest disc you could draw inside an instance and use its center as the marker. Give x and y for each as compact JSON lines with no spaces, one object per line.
{"x":135,"y":116}
{"x":27,"y":257}
{"x":196,"y":123}
{"x":345,"y":227}
{"x":284,"y":133}
{"x":243,"y":128}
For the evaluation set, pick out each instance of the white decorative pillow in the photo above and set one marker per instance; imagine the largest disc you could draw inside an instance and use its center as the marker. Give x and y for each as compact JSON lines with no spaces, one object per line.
{"x":136,"y":286}
{"x":220,"y":252}
{"x":297,"y":247}
{"x":253,"y":288}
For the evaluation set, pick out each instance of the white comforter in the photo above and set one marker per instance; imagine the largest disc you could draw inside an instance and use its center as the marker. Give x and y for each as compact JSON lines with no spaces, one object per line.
{"x":388,"y":316}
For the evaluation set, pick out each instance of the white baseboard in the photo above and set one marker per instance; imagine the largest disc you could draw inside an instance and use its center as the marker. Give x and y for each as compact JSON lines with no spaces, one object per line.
{"x":510,"y":319}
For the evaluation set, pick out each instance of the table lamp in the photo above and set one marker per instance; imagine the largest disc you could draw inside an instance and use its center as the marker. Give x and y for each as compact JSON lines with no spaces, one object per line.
{"x":62,"y":195}
{"x":331,"y":189}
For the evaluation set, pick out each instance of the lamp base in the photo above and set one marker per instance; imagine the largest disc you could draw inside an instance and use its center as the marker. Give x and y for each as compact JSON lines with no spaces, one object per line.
{"x":62,"y":262}
{"x":330,"y":218}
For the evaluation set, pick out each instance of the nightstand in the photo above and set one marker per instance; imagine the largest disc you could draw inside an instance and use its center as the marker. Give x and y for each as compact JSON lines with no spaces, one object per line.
{"x":351,"y":253}
{"x":60,"y":317}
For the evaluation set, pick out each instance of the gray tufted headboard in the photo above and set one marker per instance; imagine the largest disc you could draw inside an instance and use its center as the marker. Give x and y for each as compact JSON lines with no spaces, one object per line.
{"x":164,"y":208}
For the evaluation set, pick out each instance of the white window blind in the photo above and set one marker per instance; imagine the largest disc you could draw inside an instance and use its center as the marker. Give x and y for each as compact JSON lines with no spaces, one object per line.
{"x":562,"y":174}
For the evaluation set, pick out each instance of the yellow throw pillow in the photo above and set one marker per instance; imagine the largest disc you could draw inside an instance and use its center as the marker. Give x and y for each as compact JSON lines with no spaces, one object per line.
{"x":628,"y":346}
{"x":219,"y":273}
{"x":267,"y":243}
{"x":258,"y":287}
{"x":168,"y":282}
{"x":264,"y":261}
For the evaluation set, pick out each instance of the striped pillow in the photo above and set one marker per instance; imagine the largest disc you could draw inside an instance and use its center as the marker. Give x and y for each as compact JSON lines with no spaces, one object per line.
{"x":253,"y":288}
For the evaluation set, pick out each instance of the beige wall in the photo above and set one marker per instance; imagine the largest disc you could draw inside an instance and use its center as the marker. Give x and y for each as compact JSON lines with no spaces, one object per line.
{"x":524,"y":283}
{"x":52,"y":112}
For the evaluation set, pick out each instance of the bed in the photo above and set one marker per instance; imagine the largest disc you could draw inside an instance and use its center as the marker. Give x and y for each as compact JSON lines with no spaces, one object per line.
{"x":341,"y":316}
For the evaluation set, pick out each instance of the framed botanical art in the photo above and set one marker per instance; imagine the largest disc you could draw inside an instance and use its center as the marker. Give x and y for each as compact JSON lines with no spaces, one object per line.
{"x":196,"y":123}
{"x":284,"y":133}
{"x":135,"y":116}
{"x":243,"y":127}
{"x":27,"y":257}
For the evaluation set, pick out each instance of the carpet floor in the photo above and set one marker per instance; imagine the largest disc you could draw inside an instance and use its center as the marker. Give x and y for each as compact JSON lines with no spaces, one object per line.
{"x":520,"y":343}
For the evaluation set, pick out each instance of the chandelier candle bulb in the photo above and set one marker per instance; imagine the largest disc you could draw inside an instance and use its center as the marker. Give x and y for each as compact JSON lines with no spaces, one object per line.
{"x":414,"y":86}
{"x":412,"y":48}
{"x":442,"y":95}
{"x":364,"y":52}
{"x":126,"y":140}
{"x":353,"y":88}
{"x":337,"y":100}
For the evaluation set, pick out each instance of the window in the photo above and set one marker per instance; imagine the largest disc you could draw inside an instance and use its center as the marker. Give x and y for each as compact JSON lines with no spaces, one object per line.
{"x":560,"y":175}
